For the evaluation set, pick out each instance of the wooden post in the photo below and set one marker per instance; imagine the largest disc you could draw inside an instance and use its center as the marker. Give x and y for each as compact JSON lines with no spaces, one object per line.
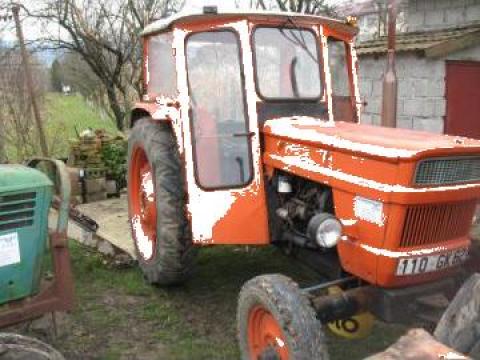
{"x":390,"y":84}
{"x":30,"y":88}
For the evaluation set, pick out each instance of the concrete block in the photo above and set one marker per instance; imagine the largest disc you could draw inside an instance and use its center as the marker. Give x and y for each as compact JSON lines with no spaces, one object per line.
{"x":456,"y":16}
{"x":473,"y":13}
{"x":405,"y":89}
{"x":449,"y":4}
{"x":366,"y":118}
{"x":427,"y":108}
{"x":430,"y":125}
{"x":411,"y":107}
{"x":440,"y":107}
{"x":95,"y":185}
{"x":404,"y":122}
{"x":421,"y":87}
{"x":434,"y":18}
{"x":377,"y":89}
{"x":437,"y":88}
{"x":472,"y":2}
{"x":400,"y":106}
{"x":374,"y":106}
{"x":366,"y":86}
{"x":415,"y":20}
{"x":376,"y":120}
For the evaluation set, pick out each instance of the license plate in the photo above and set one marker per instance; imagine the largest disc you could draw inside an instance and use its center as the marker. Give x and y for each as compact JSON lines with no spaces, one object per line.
{"x":9,"y":250}
{"x":426,"y":264}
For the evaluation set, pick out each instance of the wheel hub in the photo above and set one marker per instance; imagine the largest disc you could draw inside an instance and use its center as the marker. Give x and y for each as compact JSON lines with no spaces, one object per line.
{"x":266,"y":339}
{"x":143,"y":204}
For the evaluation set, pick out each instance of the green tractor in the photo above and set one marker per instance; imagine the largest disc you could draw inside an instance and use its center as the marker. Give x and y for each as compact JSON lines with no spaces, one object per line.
{"x":26,"y":195}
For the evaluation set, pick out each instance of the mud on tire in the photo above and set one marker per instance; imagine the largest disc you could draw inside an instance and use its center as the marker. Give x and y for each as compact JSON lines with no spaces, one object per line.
{"x":173,"y":259}
{"x":281,"y":297}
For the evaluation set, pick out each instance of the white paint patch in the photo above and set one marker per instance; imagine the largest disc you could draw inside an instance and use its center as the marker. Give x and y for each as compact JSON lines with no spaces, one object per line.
{"x":369,"y":210}
{"x":294,"y":128}
{"x":9,"y":250}
{"x":348,"y":222}
{"x":144,"y":245}
{"x":304,"y":162}
{"x":280,"y":342}
{"x":147,"y":186}
{"x":401,"y":254}
{"x":356,"y":89}
{"x":328,"y":75}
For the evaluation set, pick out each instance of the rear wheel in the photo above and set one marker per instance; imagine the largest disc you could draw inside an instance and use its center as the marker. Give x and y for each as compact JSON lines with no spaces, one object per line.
{"x":275,"y":321}
{"x":157,"y":204}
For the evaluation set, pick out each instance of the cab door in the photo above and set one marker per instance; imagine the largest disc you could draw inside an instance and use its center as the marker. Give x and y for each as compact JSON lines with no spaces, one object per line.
{"x":226,"y":198}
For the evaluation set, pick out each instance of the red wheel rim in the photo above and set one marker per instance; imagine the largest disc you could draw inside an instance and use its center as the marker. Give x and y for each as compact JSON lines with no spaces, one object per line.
{"x":265,"y":335}
{"x":143,"y":208}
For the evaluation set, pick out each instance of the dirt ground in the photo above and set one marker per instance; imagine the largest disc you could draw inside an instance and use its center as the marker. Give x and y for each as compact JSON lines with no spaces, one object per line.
{"x":118,"y":316}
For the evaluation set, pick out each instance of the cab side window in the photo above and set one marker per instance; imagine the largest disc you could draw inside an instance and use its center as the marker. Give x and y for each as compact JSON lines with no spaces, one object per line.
{"x":343,"y":109}
{"x":161,"y":65}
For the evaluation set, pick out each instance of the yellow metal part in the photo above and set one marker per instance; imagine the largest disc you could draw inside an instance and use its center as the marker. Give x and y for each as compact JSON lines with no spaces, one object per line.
{"x":356,"y":327}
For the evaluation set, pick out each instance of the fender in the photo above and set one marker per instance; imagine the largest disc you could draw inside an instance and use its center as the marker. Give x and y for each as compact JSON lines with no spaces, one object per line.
{"x":163,"y":108}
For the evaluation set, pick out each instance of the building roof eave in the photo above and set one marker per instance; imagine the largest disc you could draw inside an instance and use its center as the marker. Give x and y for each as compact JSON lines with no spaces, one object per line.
{"x":431,"y":43}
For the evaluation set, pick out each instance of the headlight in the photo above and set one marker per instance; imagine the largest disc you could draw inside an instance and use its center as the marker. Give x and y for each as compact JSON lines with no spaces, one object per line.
{"x":325,"y":229}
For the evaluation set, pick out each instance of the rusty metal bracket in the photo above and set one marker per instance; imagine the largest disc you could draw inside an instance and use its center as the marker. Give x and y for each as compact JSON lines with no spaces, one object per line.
{"x":57,"y":294}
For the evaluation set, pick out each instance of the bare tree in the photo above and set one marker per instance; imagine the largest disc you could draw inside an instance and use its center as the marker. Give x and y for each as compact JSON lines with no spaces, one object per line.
{"x":311,"y":7}
{"x":18,"y":129}
{"x":105,"y":34}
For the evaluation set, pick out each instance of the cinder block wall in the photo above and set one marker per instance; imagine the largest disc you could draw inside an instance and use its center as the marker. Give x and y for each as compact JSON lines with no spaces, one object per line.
{"x":422,"y":103}
{"x":421,"y":89}
{"x":436,"y":14}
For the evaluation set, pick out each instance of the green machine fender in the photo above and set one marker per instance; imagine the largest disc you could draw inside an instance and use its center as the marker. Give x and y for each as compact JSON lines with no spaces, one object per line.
{"x":25,"y":199}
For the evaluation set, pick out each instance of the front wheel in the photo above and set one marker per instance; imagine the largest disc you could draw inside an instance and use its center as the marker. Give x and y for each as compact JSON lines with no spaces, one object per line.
{"x":276,"y":322}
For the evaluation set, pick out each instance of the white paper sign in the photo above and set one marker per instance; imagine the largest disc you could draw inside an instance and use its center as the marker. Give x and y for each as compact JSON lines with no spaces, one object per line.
{"x":9,"y":250}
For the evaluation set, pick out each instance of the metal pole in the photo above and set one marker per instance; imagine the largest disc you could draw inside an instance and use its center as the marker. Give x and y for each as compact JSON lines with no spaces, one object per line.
{"x":28,"y":74}
{"x":390,"y":84}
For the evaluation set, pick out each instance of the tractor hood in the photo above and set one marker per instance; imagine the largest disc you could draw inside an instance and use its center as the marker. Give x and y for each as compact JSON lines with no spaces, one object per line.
{"x":369,"y":140}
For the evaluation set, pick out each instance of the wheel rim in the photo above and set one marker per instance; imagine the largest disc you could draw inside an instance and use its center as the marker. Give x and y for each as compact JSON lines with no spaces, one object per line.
{"x":265,"y":336}
{"x":143,"y":206}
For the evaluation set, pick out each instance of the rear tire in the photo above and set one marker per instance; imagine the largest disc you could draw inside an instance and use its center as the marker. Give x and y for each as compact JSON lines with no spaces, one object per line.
{"x":459,"y":327}
{"x":171,"y":257}
{"x":276,"y":321}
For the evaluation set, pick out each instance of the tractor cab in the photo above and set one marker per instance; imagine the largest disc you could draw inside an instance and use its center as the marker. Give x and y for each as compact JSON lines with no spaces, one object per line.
{"x":219,"y":77}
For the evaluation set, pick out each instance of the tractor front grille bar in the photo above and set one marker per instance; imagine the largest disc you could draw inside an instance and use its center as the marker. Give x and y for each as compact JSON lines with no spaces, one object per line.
{"x":448,"y":171}
{"x":436,"y":223}
{"x":17,"y":210}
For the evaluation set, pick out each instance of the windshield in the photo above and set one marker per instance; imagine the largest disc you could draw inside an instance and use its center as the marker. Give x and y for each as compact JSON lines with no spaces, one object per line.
{"x":287,"y":63}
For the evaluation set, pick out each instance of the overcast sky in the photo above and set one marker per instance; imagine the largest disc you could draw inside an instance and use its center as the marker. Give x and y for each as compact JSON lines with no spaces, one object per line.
{"x":33,"y":31}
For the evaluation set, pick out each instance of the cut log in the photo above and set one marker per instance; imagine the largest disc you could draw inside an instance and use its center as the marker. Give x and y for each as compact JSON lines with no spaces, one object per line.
{"x":417,"y":344}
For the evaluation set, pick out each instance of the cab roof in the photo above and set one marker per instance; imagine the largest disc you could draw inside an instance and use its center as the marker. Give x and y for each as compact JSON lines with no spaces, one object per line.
{"x":195,"y":15}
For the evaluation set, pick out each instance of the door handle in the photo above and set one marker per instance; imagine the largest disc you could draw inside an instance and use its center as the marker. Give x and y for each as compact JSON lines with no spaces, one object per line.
{"x":245,"y":134}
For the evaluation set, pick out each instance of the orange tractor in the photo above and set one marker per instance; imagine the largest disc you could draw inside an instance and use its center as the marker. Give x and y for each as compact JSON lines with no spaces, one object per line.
{"x":250,"y":133}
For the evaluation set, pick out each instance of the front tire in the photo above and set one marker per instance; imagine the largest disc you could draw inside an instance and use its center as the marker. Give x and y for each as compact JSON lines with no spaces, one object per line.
{"x":276,"y":321}
{"x":157,"y":200}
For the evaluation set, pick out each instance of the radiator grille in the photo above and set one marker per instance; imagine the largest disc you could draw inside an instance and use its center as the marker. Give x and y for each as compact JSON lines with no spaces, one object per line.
{"x":444,"y":171}
{"x":431,"y":224}
{"x":17,"y":210}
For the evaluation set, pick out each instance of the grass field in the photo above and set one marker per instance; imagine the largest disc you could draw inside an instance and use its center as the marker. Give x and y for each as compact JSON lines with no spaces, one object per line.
{"x":64,"y":115}
{"x":119,"y":316}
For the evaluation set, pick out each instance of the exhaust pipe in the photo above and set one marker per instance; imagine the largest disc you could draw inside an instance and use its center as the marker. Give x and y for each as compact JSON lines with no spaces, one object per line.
{"x":390,"y":83}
